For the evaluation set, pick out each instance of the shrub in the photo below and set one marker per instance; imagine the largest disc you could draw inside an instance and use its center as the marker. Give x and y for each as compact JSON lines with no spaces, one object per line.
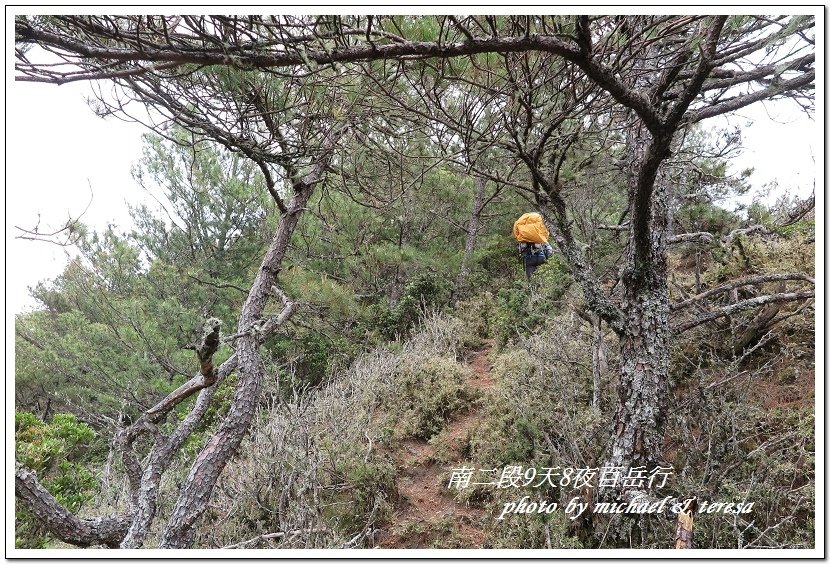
{"x":475,"y":314}
{"x":521,"y":310}
{"x":540,"y":416}
{"x":439,"y":334}
{"x":546,"y":530}
{"x":317,"y":463}
{"x":422,"y":293}
{"x":56,"y":451}
{"x":429,"y":391}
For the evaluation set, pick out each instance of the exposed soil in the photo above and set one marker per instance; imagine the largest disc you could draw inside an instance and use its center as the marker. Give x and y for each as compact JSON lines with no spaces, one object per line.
{"x":426,"y":515}
{"x":790,"y":384}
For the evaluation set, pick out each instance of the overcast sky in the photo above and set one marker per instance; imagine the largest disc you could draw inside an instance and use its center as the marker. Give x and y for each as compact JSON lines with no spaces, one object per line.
{"x":59,"y":154}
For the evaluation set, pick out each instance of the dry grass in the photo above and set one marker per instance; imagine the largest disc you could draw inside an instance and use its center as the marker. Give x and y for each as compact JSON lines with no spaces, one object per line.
{"x":311,"y":473}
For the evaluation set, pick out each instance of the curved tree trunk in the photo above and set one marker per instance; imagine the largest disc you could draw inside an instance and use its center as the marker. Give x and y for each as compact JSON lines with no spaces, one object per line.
{"x":198,"y":487}
{"x":130,"y":531}
{"x":62,"y":523}
{"x":194,"y":496}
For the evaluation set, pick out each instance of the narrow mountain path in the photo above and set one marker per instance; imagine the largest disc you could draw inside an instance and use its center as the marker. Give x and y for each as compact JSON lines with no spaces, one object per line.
{"x":426,"y":515}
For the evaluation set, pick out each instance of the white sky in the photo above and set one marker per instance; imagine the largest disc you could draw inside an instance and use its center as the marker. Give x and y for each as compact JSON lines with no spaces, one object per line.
{"x":59,"y":154}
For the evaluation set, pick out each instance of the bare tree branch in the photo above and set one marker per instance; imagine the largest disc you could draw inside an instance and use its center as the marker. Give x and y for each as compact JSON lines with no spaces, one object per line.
{"x":701,"y":236}
{"x":738,"y":102}
{"x":733,"y":284}
{"x":740,"y":306}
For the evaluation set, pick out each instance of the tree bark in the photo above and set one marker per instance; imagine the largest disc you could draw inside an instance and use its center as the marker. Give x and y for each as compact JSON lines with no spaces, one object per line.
{"x":684,"y":529}
{"x":472,"y":233}
{"x":180,"y":531}
{"x":642,"y":391}
{"x":62,"y":523}
{"x":684,"y":535}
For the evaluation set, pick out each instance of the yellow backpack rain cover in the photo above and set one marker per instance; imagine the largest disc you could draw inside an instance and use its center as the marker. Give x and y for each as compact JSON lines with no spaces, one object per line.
{"x":530,"y":229}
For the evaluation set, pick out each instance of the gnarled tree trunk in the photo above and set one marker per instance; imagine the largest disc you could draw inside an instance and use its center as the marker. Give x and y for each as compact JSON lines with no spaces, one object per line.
{"x":599,"y":360}
{"x":642,"y":390}
{"x":62,"y":523}
{"x":180,"y":531}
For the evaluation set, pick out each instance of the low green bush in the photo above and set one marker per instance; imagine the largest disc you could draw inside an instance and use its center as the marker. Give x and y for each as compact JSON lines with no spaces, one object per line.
{"x":57,"y":451}
{"x":429,"y":391}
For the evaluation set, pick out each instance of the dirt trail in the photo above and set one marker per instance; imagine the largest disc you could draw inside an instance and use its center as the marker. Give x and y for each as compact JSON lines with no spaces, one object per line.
{"x":426,"y":513}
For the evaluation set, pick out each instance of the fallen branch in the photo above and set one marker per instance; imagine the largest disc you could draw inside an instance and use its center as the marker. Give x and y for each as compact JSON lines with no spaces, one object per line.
{"x":746,"y":231}
{"x":702,"y":236}
{"x":613,"y":227}
{"x":275,"y":535}
{"x":740,"y":306}
{"x":733,"y":284}
{"x":726,"y":380}
{"x":709,"y":238}
{"x":799,"y":211}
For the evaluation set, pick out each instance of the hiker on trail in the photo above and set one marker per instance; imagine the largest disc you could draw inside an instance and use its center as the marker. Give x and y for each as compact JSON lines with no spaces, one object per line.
{"x":532,"y":235}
